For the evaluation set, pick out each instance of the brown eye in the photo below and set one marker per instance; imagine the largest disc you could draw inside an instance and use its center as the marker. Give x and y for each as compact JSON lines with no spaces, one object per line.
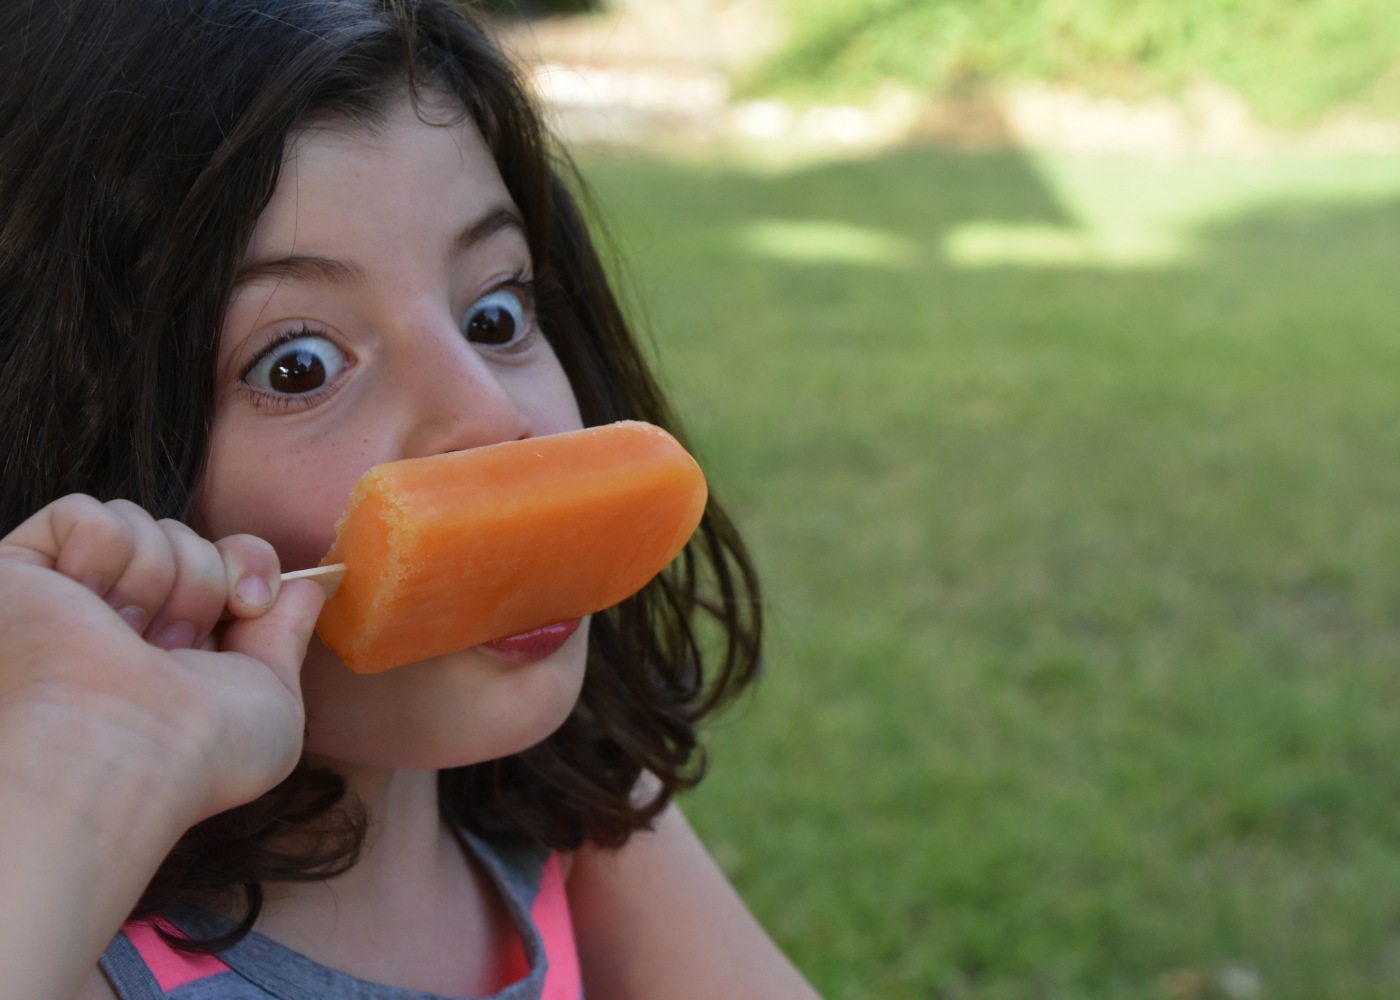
{"x":297,"y":371}
{"x":296,"y":367}
{"x":497,"y":319}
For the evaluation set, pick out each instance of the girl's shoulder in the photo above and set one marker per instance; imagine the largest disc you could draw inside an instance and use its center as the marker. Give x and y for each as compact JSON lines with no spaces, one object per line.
{"x":144,"y":962}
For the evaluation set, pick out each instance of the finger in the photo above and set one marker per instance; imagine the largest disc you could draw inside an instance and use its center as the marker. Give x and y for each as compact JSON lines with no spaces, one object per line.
{"x":251,"y":572}
{"x":280,"y":636}
{"x":145,"y":581}
{"x":255,"y":678}
{"x":196,"y":598}
{"x":76,"y":535}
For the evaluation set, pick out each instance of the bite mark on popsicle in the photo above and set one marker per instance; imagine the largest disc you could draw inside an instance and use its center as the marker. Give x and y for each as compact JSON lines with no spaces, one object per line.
{"x":450,"y":551}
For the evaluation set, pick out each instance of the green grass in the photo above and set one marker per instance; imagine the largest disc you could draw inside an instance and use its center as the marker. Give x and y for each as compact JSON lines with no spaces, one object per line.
{"x":1291,"y":60}
{"x":1076,"y":487}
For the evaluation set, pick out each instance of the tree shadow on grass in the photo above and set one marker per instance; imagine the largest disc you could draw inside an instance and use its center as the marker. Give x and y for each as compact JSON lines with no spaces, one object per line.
{"x":921,"y":247}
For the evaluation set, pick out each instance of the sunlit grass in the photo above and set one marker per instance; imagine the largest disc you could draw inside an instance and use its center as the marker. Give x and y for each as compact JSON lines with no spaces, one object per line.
{"x":815,"y":241}
{"x":1075,"y":483}
{"x":991,"y":244}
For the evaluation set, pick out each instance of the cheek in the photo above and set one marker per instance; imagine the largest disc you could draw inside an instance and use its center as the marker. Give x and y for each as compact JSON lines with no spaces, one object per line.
{"x":289,"y":496}
{"x":460,"y":709}
{"x":553,"y":406}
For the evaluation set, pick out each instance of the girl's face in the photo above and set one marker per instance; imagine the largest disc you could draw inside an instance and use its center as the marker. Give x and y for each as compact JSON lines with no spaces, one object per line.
{"x":383,"y":311}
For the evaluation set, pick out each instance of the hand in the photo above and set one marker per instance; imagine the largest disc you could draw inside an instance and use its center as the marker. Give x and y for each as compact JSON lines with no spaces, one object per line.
{"x":148,"y":679}
{"x":110,"y":641}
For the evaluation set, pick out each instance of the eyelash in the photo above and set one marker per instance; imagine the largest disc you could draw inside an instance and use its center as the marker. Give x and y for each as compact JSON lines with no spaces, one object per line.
{"x":519,"y":281}
{"x":277,"y":400}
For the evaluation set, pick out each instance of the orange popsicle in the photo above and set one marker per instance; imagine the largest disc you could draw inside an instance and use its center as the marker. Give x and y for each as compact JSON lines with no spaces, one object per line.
{"x":449,"y":551}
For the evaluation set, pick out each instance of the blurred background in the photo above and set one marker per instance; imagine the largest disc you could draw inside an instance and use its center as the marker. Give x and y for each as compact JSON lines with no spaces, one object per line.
{"x":1049,"y":352}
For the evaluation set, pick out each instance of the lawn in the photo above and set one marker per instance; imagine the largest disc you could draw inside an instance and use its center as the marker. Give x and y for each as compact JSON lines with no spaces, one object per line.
{"x":1076,"y":487}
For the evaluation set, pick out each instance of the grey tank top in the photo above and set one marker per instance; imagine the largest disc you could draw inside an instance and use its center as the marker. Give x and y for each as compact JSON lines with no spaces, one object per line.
{"x":141,"y":965}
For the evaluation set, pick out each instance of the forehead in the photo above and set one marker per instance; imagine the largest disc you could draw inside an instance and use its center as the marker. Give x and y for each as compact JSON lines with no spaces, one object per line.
{"x":416,"y":160}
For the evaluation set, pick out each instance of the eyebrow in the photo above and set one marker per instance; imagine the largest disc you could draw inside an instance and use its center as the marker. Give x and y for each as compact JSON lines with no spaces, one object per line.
{"x":487,"y":226}
{"x":302,"y":267}
{"x":332,"y":270}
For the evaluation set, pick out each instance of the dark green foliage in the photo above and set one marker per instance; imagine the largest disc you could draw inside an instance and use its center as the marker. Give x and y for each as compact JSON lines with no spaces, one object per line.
{"x":539,"y":8}
{"x":1290,"y":59}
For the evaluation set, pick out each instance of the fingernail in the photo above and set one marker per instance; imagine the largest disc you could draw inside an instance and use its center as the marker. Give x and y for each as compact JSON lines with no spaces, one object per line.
{"x":134,"y":617}
{"x":176,"y":635}
{"x":253,"y":590}
{"x":92,"y":583}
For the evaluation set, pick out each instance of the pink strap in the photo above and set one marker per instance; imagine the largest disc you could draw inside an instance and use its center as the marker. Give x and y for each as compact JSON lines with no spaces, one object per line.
{"x":551,"y":915}
{"x":171,"y":967}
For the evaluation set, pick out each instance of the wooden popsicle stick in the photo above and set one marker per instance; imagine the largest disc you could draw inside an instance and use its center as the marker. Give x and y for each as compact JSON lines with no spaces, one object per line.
{"x":327,"y":577}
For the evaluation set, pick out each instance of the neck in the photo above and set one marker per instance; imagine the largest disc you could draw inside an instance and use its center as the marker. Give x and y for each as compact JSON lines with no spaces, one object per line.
{"x":416,"y":911}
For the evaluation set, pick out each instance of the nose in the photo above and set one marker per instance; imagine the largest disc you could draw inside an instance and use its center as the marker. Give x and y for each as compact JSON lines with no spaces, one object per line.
{"x":454,"y":398}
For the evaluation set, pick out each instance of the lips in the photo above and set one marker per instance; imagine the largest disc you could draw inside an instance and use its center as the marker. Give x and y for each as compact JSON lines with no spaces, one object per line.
{"x":528,"y":647}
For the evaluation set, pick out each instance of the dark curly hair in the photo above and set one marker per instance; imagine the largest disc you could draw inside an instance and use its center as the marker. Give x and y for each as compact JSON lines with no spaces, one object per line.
{"x":139,"y":141}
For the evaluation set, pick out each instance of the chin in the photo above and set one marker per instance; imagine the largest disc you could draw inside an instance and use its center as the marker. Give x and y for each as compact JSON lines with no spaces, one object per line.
{"x":455,"y":710}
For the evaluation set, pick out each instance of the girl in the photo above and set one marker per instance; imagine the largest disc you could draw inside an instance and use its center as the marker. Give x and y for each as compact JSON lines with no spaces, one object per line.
{"x":249,"y":248}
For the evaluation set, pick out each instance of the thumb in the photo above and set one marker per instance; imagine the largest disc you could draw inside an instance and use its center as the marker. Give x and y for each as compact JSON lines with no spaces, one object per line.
{"x":279,"y":638}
